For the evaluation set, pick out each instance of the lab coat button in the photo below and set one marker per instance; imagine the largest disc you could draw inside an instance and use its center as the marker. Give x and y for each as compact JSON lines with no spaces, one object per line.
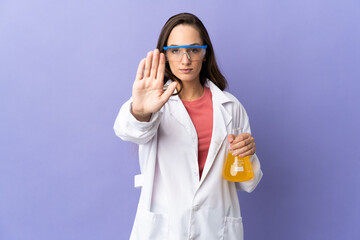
{"x":196,"y":207}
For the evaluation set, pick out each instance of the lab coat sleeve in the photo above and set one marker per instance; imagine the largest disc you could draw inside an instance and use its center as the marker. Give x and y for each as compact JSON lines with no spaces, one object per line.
{"x":128,"y":128}
{"x":242,"y":120}
{"x":249,"y":186}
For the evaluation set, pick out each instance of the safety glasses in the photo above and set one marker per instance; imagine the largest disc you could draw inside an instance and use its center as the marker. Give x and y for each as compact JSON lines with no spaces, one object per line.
{"x":193,"y":52}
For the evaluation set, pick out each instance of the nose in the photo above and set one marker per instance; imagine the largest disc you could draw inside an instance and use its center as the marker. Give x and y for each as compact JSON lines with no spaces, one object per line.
{"x":185,"y":60}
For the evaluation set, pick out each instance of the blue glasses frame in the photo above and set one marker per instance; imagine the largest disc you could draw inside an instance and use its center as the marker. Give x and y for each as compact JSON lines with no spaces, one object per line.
{"x":186,"y":46}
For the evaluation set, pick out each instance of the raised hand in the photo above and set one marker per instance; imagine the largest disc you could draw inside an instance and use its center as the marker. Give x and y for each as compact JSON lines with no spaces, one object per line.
{"x":147,"y":93}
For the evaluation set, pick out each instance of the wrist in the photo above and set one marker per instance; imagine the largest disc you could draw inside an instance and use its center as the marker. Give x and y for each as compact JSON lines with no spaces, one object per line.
{"x":140,"y":115}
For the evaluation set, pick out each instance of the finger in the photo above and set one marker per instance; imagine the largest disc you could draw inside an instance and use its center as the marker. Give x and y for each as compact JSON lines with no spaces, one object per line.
{"x":161,"y":68}
{"x":140,"y":70}
{"x":236,"y":145}
{"x":248,"y":153}
{"x":245,"y":151}
{"x":154,"y":64}
{"x":148,"y":64}
{"x":242,"y":137}
{"x":170,"y":89}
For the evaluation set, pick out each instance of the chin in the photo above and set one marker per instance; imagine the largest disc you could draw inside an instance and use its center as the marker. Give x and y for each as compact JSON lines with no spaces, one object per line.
{"x":187,"y":78}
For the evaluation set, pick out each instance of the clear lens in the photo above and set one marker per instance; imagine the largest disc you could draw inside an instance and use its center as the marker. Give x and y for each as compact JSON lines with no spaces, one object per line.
{"x":193,"y":53}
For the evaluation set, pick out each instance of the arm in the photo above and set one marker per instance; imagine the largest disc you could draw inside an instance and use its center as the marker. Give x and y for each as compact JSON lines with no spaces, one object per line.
{"x":128,"y":128}
{"x":244,"y":145}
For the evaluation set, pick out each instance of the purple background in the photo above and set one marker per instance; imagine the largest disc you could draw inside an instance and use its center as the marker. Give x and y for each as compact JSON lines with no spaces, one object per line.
{"x":66,"y":67}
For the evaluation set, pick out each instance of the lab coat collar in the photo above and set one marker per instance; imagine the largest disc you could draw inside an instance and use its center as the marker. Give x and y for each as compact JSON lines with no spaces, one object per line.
{"x":215,"y":91}
{"x":217,"y":94}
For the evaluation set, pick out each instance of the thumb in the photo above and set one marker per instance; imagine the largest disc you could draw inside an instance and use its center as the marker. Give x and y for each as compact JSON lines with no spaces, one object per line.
{"x":231,"y":138}
{"x":170,"y":89}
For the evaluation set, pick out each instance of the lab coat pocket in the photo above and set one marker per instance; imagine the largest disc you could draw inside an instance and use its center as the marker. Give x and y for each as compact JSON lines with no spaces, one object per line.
{"x":233,"y":229}
{"x":151,"y":225}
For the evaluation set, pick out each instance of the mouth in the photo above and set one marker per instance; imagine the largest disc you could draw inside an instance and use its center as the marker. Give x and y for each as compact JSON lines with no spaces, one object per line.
{"x":186,"y":70}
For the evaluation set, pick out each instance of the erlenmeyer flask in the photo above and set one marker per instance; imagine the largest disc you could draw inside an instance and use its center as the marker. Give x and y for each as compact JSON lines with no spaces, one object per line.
{"x":237,"y":169}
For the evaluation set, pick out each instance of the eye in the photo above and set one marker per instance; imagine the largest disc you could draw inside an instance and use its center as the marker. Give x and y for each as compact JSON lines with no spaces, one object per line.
{"x":174,"y":50}
{"x":194,"y":50}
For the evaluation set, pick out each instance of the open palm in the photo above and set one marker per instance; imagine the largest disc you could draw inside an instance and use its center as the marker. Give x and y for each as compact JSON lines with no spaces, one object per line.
{"x":148,"y":94}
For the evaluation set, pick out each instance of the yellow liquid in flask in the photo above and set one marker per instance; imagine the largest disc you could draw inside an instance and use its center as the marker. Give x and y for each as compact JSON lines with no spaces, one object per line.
{"x":237,"y":169}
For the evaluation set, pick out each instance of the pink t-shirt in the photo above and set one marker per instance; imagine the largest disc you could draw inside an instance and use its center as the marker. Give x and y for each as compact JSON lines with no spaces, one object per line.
{"x":201,"y":114}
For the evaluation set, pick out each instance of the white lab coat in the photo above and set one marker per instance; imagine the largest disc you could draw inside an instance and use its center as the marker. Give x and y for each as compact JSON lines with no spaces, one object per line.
{"x":174,"y":204}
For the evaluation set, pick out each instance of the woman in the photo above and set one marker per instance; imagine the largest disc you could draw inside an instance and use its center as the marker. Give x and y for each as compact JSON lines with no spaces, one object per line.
{"x":180,"y":117}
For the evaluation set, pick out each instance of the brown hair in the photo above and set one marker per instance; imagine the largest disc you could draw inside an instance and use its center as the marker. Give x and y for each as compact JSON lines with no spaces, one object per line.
{"x":209,"y":69}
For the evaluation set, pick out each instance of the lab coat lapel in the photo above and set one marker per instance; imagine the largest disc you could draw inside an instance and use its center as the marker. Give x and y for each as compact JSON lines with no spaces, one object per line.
{"x":221,"y":119}
{"x":179,"y":113}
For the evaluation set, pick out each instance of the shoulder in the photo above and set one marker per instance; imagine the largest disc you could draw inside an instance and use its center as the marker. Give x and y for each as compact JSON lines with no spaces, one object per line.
{"x":231,"y":97}
{"x":225,"y":97}
{"x":235,"y":105}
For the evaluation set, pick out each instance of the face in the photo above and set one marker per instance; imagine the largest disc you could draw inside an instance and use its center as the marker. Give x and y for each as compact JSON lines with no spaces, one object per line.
{"x":186,"y":69}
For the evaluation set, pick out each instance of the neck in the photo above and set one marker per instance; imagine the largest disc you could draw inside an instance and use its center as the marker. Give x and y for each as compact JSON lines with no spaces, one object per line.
{"x":191,"y":91}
